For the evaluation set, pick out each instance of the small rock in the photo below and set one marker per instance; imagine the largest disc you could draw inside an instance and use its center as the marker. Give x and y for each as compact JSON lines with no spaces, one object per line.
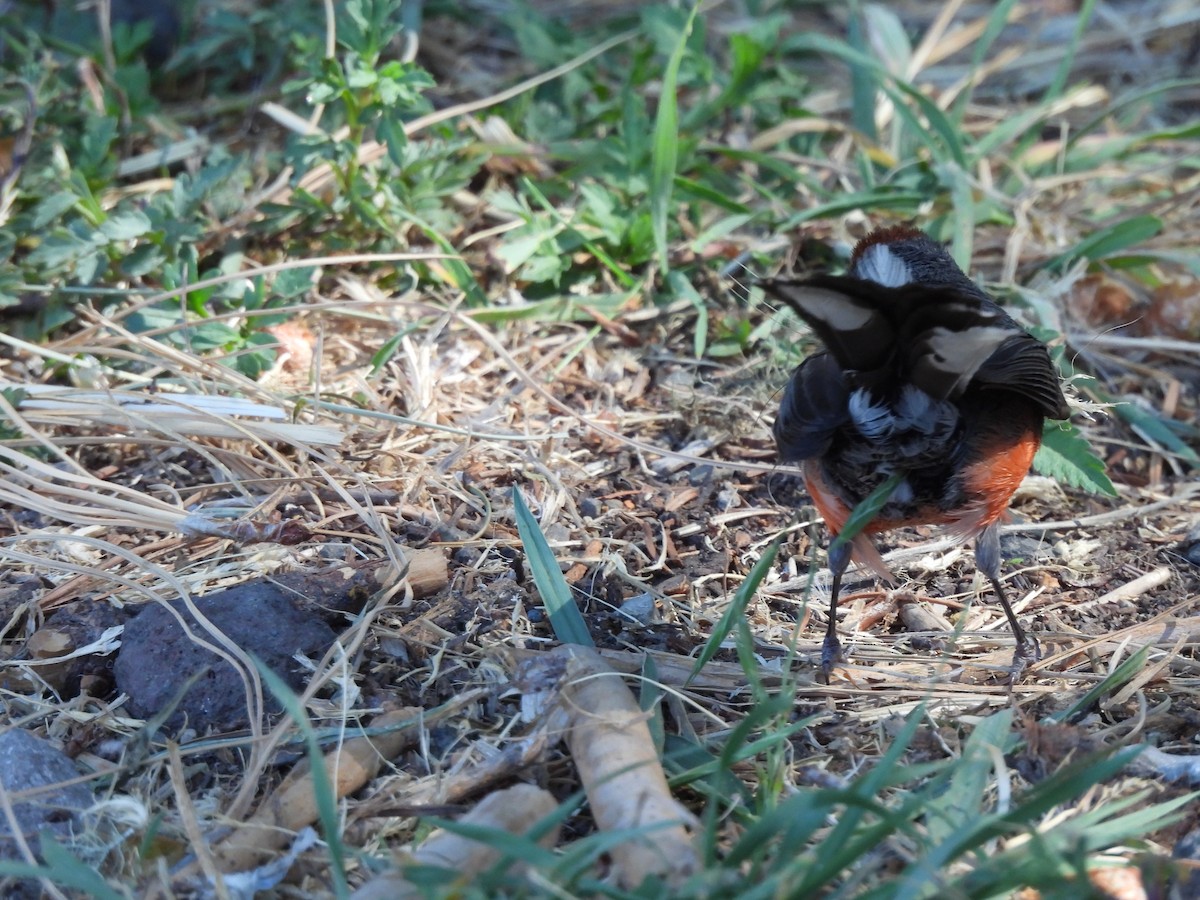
{"x":157,"y":657}
{"x":642,"y":609}
{"x":17,"y":592}
{"x":26,"y":764}
{"x":81,"y":623}
{"x":1187,"y":887}
{"x":728,"y":499}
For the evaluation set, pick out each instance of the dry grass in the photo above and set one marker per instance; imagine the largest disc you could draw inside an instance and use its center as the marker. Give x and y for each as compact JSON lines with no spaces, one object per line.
{"x":652,"y":475}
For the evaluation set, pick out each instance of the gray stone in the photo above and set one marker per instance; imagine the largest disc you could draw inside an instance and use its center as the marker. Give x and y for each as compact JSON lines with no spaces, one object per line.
{"x":28,"y":763}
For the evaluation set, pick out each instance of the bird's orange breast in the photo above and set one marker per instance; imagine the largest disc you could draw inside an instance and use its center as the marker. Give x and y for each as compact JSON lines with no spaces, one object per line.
{"x":1000,"y":447}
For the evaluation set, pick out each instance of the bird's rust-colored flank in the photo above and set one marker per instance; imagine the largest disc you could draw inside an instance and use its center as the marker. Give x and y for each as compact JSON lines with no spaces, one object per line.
{"x":925,"y":378}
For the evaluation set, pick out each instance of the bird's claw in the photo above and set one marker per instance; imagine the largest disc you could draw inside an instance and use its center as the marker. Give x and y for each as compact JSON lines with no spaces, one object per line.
{"x":1028,"y":650}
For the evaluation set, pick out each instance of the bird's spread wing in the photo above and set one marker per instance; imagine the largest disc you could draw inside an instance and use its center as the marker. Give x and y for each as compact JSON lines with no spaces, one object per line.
{"x":941,"y":338}
{"x":845,"y":314}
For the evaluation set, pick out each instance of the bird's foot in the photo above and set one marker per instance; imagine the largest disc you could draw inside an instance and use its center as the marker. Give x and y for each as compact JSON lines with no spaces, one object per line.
{"x":831,"y":655}
{"x":1028,"y":650}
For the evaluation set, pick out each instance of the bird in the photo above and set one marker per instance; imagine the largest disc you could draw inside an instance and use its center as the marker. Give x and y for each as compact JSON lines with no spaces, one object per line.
{"x":926,"y":385}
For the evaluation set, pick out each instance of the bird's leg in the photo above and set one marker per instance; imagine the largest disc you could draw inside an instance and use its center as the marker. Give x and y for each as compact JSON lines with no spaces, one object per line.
{"x":831,"y":647}
{"x":987,"y":558}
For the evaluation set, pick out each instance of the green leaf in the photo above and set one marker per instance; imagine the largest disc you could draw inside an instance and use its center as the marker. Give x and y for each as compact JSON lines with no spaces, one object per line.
{"x":52,"y":207}
{"x":142,"y":259}
{"x":709,"y":194}
{"x":963,"y":236}
{"x":889,"y":41}
{"x":953,"y":812}
{"x":872,"y":201}
{"x":998,"y":20}
{"x":206,"y":336}
{"x":294,"y":283}
{"x":1066,"y":456}
{"x":864,"y":82}
{"x":665,"y":152}
{"x":125,"y":225}
{"x":390,"y":131}
{"x":384,"y":354}
{"x":940,"y":125}
{"x":1082,"y":22}
{"x":1113,"y":682}
{"x":682,"y":287}
{"x":60,"y":249}
{"x":565,"y":618}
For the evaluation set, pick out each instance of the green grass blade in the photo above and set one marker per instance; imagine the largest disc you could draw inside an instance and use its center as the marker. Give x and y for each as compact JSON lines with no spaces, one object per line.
{"x":1154,"y":428}
{"x":879,"y":199}
{"x":737,"y":607}
{"x":864,"y":82}
{"x":1082,"y":20}
{"x":867,"y":510}
{"x":565,"y":618}
{"x":62,"y":868}
{"x":996,"y":23}
{"x":962,"y":236}
{"x":682,"y":287}
{"x":1119,"y":676}
{"x":664,"y":154}
{"x":327,"y":812}
{"x":948,"y":137}
{"x":956,"y":808}
{"x":1112,"y":239}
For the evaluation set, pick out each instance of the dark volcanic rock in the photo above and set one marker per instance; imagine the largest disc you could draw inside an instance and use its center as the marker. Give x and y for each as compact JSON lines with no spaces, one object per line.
{"x":157,"y":657}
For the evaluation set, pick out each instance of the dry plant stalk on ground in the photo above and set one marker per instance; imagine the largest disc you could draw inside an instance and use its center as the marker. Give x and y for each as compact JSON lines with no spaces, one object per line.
{"x":515,"y":809}
{"x":293,"y":804}
{"x":618,"y":763}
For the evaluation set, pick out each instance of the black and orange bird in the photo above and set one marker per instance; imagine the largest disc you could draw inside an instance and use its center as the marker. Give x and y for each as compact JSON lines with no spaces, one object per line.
{"x":924,"y":379}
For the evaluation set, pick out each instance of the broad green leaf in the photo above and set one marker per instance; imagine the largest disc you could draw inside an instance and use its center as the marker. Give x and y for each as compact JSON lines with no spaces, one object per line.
{"x":125,"y":225}
{"x":1066,"y":456}
{"x":293,"y":283}
{"x":52,"y":207}
{"x":142,"y":259}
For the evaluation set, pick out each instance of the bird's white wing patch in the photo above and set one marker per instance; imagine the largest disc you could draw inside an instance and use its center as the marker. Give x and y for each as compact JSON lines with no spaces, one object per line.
{"x":880,"y":265}
{"x":961,"y":353}
{"x":833,"y":308}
